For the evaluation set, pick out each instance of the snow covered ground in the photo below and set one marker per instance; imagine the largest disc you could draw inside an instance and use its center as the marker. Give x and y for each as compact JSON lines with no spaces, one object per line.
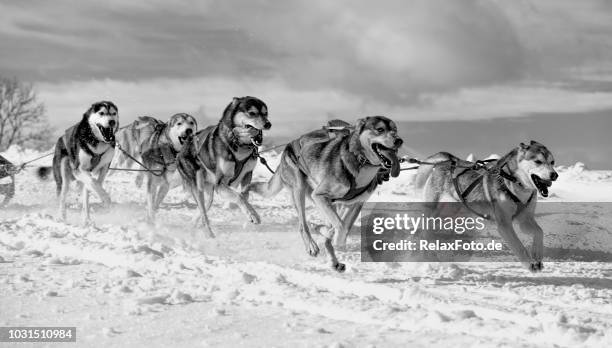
{"x":122,"y":283}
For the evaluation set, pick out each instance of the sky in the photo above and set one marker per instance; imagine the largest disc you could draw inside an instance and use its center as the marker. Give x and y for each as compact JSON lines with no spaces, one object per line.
{"x":411,"y":60}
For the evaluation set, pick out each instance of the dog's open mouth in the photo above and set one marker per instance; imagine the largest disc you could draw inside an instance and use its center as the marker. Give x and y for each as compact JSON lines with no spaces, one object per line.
{"x":541,"y":184}
{"x":183,"y":138}
{"x":257,"y":140}
{"x":108,"y":133}
{"x":388,"y":158}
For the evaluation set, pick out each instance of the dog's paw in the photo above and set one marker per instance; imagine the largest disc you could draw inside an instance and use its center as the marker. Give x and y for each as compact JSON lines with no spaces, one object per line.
{"x":254,"y":217}
{"x":339,"y":267}
{"x":536,"y":266}
{"x":312,"y":249}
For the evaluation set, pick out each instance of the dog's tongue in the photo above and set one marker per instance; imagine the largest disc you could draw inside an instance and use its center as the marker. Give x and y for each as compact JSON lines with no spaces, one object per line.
{"x":392,"y":156}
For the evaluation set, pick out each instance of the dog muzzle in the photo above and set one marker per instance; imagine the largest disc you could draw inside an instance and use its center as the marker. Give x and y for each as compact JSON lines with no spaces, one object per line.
{"x":388,"y":158}
{"x":541,"y":185}
{"x":249,"y":135}
{"x":108,"y":133}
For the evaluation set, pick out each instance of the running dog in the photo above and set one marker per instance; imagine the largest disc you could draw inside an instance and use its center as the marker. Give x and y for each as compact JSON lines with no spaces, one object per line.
{"x":86,"y":149}
{"x":339,"y":171}
{"x":508,"y":186}
{"x":156,"y":145}
{"x":221,"y":158}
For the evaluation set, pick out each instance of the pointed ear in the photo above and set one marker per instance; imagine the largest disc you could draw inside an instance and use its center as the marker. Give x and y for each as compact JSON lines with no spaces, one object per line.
{"x":533,"y":142}
{"x":89,"y":111}
{"x":229,"y":112}
{"x":360,"y":125}
{"x":524,"y":147}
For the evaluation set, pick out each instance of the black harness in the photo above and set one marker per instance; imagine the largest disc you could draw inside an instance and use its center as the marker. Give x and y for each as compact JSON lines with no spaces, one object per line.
{"x":499,"y":172}
{"x":232,"y":142}
{"x":293,"y":150}
{"x":81,"y":140}
{"x":163,"y":155}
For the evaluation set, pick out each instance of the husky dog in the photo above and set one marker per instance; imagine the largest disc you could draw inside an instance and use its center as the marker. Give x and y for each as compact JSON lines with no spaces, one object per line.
{"x":155,"y":144}
{"x":221,"y":158}
{"x":86,"y":149}
{"x":509,"y":186}
{"x":335,"y":171}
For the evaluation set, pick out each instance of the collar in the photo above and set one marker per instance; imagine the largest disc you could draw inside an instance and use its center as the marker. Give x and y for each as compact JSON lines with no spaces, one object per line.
{"x":357,"y":150}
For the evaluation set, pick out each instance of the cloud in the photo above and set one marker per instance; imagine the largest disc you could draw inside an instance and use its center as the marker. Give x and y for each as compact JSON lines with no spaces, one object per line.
{"x":294,"y":111}
{"x":412,"y":59}
{"x":391,"y":50}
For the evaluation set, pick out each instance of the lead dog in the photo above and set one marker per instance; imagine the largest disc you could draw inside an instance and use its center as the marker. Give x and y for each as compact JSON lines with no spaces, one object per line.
{"x":221,"y":158}
{"x":509,"y":186}
{"x":335,"y":171}
{"x":156,"y":144}
{"x":85,"y":150}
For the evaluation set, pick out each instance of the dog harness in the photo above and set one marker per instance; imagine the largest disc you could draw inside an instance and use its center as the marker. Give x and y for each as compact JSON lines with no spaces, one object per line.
{"x":73,"y":147}
{"x":294,"y":147}
{"x":161,"y":154}
{"x":499,"y":172}
{"x":209,"y":163}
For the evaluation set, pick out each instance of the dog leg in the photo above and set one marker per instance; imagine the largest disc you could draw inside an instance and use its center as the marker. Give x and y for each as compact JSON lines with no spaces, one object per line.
{"x":299,"y":202}
{"x":209,"y":194}
{"x":328,"y":211}
{"x":85,"y":218}
{"x":504,"y":226}
{"x":198,"y":196}
{"x":151,"y":187}
{"x":92,"y":185}
{"x":528,"y":224}
{"x":66,"y":179}
{"x":239,"y":199}
{"x":103,"y":173}
{"x":139,"y":179}
{"x":349,"y":214}
{"x":164,"y":187}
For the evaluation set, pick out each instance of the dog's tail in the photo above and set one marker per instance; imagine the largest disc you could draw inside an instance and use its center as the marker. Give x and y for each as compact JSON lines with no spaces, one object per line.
{"x":425,"y":170}
{"x":44,"y":171}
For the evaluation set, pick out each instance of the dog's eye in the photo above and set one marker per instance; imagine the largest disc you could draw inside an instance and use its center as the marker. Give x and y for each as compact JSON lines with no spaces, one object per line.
{"x":552,"y":163}
{"x":252,"y":113}
{"x":538,"y":162}
{"x":180,"y":123}
{"x":380,"y":130}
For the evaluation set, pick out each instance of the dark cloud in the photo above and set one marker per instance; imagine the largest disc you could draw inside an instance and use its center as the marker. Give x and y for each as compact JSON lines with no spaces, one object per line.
{"x":384,"y":51}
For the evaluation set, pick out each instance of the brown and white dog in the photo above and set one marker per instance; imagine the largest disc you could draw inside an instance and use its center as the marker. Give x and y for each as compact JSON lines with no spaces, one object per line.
{"x":84,"y":151}
{"x":221,"y":158}
{"x":339,"y":173}
{"x":156,"y":145}
{"x":508,"y":187}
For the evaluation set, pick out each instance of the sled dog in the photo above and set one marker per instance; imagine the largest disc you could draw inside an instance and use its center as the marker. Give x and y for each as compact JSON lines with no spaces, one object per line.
{"x":508,"y":185}
{"x":339,"y":173}
{"x":221,"y":158}
{"x":84,"y":152}
{"x":155,"y":144}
